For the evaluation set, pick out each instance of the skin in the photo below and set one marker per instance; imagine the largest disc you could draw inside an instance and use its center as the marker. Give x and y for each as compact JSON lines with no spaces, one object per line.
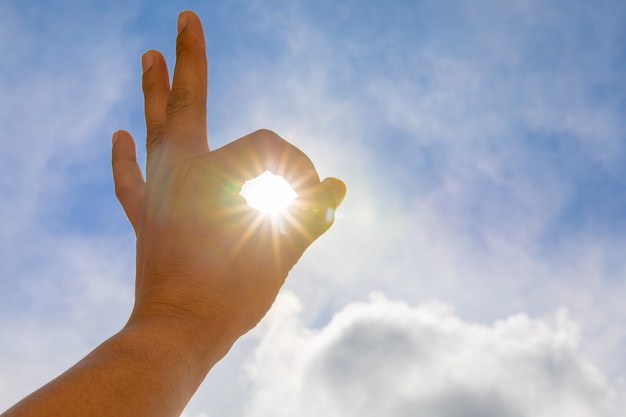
{"x":208,"y":266}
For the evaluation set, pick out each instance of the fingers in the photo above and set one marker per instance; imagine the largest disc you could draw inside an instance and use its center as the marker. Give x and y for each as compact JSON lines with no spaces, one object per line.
{"x":156,"y":91}
{"x":313,"y":212}
{"x":263,"y":150}
{"x":288,"y":235}
{"x":186,"y":107}
{"x":127,"y":178}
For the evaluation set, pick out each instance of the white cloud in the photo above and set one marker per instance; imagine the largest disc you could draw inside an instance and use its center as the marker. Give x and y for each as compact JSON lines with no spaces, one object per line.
{"x":384,"y":357}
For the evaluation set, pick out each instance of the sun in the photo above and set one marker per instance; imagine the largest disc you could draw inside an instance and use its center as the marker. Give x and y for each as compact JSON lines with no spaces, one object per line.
{"x":268,"y":193}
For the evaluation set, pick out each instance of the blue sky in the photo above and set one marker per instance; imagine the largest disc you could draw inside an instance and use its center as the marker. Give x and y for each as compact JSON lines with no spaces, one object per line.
{"x":484,"y":148}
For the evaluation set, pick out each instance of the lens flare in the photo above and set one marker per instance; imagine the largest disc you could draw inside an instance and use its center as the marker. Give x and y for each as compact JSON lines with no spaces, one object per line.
{"x":268,"y":193}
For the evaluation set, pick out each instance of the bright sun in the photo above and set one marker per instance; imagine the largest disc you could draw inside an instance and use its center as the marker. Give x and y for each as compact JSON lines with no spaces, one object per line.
{"x":268,"y":193}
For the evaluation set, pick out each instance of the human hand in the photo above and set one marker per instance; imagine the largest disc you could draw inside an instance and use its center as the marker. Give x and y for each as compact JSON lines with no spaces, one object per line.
{"x":205,"y":260}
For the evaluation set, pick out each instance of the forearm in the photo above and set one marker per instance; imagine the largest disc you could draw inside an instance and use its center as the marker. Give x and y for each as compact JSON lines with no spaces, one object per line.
{"x":147,"y":369}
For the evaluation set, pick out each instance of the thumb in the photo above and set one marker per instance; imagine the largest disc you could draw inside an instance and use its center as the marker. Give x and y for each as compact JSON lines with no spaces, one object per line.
{"x":313,"y":212}
{"x":338,"y":188}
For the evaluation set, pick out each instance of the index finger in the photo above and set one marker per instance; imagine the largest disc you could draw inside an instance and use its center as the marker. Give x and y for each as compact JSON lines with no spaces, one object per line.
{"x":251,"y":155}
{"x":186,"y":106}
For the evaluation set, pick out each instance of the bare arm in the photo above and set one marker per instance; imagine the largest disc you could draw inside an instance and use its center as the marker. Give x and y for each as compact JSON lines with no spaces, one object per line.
{"x":208,"y":266}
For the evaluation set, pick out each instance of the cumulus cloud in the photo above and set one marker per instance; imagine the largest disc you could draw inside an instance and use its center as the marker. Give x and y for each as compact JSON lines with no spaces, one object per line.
{"x":384,"y":357}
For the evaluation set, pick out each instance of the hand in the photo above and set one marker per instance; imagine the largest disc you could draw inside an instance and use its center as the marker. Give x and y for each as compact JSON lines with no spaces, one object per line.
{"x":205,"y":260}
{"x":208,"y":266}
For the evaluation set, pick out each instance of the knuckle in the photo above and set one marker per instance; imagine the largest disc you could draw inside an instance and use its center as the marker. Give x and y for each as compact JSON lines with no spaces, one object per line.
{"x":116,"y":157}
{"x":190,"y":46}
{"x":182,"y":101}
{"x":183,"y":47}
{"x":154,"y":135}
{"x":285,"y":159}
{"x":266,"y":132}
{"x":271,"y":142}
{"x":268,"y":137}
{"x":154,"y":131}
{"x":149,"y":83}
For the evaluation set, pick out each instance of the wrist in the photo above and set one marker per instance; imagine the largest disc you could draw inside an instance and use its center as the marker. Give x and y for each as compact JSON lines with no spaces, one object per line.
{"x":178,"y":339}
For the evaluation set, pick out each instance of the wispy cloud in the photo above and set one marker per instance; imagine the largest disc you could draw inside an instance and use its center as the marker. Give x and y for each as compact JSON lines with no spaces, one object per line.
{"x":64,"y":284}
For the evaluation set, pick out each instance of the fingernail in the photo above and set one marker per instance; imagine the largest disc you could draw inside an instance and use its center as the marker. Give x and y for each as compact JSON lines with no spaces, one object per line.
{"x":116,"y":136}
{"x":182,"y":21}
{"x":147,"y":59}
{"x":339,"y":191}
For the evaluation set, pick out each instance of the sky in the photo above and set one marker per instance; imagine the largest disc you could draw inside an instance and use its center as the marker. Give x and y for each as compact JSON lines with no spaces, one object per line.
{"x":477,"y":266}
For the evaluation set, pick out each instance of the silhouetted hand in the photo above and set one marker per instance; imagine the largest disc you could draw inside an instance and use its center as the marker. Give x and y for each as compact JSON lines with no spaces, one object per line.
{"x":208,"y":266}
{"x":205,"y":259}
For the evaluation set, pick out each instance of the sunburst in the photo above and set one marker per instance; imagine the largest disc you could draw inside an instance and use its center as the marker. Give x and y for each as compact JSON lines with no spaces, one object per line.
{"x":268,"y":193}
{"x":266,"y":210}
